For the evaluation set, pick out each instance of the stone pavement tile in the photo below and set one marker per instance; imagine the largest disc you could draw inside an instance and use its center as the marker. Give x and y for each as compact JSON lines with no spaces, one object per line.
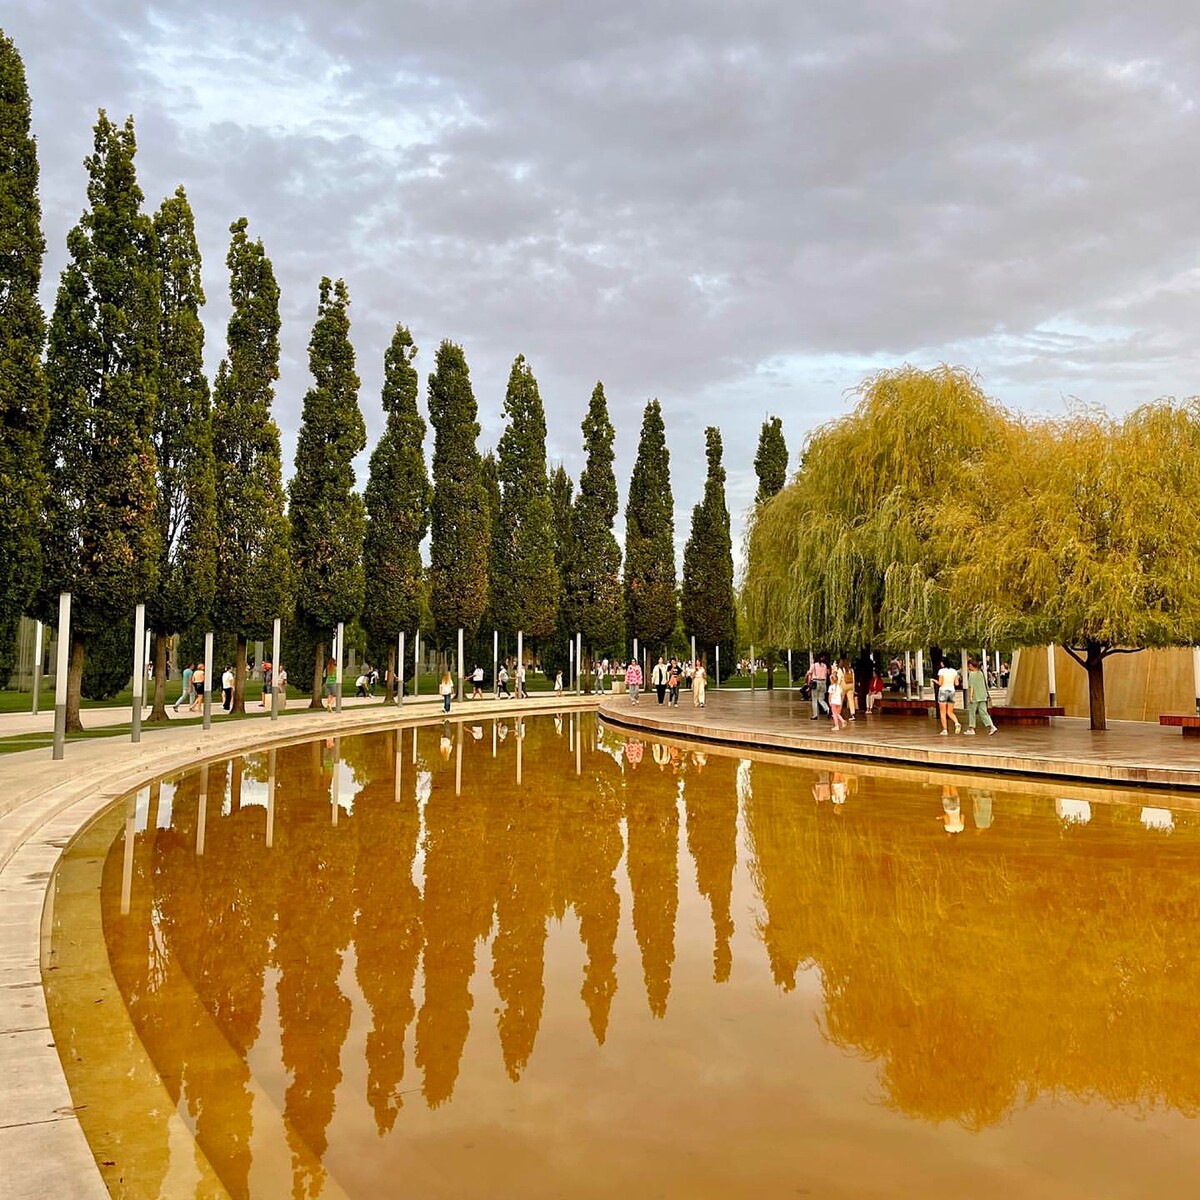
{"x":34,"y":1086}
{"x":22,"y":1001}
{"x":48,"y":1159}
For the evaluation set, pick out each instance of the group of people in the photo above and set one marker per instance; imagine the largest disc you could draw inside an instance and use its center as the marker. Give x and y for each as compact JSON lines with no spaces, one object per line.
{"x":195,"y":683}
{"x":668,"y":677}
{"x":831,"y":685}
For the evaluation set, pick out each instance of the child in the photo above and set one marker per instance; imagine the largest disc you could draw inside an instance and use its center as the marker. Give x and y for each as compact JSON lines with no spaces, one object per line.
{"x":446,"y":690}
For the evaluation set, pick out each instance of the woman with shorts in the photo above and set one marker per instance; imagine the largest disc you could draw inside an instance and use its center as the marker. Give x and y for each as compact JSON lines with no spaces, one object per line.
{"x":947,"y":682}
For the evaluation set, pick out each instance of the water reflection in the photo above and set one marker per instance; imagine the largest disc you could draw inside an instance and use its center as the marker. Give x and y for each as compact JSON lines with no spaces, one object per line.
{"x":311,"y":928}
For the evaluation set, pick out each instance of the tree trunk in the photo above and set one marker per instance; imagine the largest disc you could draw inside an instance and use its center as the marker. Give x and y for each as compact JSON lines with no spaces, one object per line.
{"x":390,"y":693}
{"x":239,"y":677}
{"x":318,"y":670}
{"x":159,"y":711}
{"x":1095,"y":672}
{"x":75,"y":683}
{"x":770,"y":656}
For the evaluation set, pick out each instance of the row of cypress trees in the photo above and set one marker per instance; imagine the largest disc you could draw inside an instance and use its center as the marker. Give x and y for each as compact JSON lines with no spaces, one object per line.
{"x":126,"y":481}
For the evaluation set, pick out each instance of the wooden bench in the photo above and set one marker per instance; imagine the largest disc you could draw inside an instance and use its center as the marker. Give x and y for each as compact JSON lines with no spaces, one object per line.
{"x":1188,"y":725}
{"x":1007,"y":714}
{"x":900,"y":707}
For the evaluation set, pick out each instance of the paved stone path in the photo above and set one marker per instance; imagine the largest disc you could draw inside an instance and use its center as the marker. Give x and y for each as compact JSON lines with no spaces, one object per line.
{"x":1128,"y":753}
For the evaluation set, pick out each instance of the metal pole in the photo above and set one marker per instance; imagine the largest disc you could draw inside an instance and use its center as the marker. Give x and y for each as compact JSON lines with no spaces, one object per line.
{"x":275,"y":631}
{"x":693,"y":649}
{"x":908,"y":674}
{"x":341,"y":650}
{"x":1196,"y":676}
{"x":1050,"y":675}
{"x":520,"y":686}
{"x":271,"y":787}
{"x":335,"y":783}
{"x":202,"y":803}
{"x":38,"y":636}
{"x":635,"y":650}
{"x":579,"y":657}
{"x":963,"y":678}
{"x":60,"y":679}
{"x":752,"y":666}
{"x":496,"y":662}
{"x":208,"y":679}
{"x":139,"y":669}
{"x":416,"y":672}
{"x":400,"y":673}
{"x":517,"y":730}
{"x":458,"y":761}
{"x":573,"y":682}
{"x":790,"y":677}
{"x":460,"y":666}
{"x":920,"y":673}
{"x":718,"y":683}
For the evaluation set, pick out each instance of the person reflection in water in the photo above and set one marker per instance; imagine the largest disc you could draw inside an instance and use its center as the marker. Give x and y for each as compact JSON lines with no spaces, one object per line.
{"x":820,"y":787}
{"x":444,"y":743}
{"x":633,"y":753}
{"x":981,"y":810}
{"x":837,"y":789}
{"x":952,"y":817}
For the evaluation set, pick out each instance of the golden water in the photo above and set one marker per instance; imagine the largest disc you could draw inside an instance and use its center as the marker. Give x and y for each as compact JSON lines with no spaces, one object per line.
{"x":538,"y":959}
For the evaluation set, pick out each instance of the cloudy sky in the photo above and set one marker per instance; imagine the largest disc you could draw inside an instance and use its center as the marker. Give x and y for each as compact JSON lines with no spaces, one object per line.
{"x":740,"y":208}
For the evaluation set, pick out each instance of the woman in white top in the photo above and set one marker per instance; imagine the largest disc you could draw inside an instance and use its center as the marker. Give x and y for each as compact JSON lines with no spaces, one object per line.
{"x":947,"y":681}
{"x":834,"y":696}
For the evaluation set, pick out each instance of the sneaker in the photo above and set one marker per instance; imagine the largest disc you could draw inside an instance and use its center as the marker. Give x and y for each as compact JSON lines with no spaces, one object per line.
{"x":991,"y":731}
{"x":970,"y":733}
{"x":943,"y":733}
{"x":957,"y":727}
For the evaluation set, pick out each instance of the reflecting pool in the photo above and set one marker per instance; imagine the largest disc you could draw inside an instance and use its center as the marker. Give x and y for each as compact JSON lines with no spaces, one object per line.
{"x":543,"y":958}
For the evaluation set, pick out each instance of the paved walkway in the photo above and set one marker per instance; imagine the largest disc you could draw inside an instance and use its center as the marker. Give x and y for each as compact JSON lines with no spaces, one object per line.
{"x":1128,"y":753}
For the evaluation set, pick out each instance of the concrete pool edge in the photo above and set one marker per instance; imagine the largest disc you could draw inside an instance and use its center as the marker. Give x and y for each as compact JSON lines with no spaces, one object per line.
{"x":901,"y":749}
{"x":42,"y":1143}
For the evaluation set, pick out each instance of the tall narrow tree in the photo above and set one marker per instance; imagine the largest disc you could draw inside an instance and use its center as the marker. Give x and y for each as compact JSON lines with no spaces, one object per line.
{"x":327,"y":515}
{"x":770,"y":460}
{"x":770,"y":465}
{"x":101,"y":540}
{"x":460,"y":523}
{"x":187,"y":518}
{"x":490,"y":470}
{"x":253,"y":534}
{"x":707,"y":599}
{"x":595,"y":586}
{"x":650,"y":607}
{"x":23,"y":402}
{"x":525,"y":585}
{"x":397,"y":504}
{"x":562,"y":505}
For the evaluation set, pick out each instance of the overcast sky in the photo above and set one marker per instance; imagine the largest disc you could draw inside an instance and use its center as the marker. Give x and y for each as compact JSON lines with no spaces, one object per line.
{"x":740,"y":208}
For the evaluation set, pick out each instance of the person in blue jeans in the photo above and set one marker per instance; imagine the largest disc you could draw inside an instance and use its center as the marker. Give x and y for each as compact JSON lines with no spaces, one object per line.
{"x":446,"y":689}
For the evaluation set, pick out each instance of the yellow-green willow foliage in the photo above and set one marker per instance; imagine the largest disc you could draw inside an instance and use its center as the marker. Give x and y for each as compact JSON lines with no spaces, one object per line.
{"x":1083,"y":531}
{"x":843,"y":556}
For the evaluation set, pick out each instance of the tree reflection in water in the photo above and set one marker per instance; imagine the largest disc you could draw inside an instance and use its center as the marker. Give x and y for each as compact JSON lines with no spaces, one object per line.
{"x":1026,"y":955}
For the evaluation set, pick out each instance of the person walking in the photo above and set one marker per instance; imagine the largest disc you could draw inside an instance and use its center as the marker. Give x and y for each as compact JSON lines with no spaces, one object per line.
{"x":199,"y":679}
{"x":446,"y":690}
{"x":227,"y":690}
{"x":977,"y":699}
{"x":185,"y":696}
{"x":633,"y":680}
{"x":674,"y":674}
{"x":329,"y":682}
{"x":267,"y":686}
{"x":502,"y":683}
{"x":699,"y":684}
{"x":851,"y":699}
{"x":280,"y":688}
{"x":817,"y":679}
{"x":477,"y":683}
{"x":947,"y":684}
{"x":522,"y":694}
{"x":835,"y":691}
{"x":558,"y":686}
{"x":658,"y":677}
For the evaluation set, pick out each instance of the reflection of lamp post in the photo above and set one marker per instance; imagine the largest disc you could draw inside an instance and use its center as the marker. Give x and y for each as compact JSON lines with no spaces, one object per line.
{"x":1050,"y":676}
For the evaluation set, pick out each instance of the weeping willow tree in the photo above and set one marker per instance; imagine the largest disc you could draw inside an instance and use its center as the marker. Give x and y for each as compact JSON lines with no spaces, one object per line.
{"x":1085,"y":532}
{"x":847,"y":556}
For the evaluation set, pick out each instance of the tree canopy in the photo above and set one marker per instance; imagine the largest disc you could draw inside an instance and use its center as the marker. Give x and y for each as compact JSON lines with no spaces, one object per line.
{"x":397,"y":504}
{"x":101,"y":539}
{"x":650,"y":603}
{"x":23,"y":399}
{"x":770,"y":460}
{"x":524,"y":584}
{"x":460,"y":524}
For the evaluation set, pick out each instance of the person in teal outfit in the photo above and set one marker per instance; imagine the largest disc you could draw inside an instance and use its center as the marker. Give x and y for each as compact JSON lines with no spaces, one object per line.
{"x":977,"y":698}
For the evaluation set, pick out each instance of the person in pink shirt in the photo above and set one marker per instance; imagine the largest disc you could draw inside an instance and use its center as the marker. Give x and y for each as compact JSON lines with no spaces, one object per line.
{"x":633,"y":680}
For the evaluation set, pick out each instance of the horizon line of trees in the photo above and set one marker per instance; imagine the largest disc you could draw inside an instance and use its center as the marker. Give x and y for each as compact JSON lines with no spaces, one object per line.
{"x":129,"y":480}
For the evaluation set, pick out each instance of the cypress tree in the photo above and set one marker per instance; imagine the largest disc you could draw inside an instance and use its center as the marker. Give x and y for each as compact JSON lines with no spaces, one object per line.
{"x":101,"y":540}
{"x":770,"y":460}
{"x":707,"y":599}
{"x":595,"y":581}
{"x":187,"y":517}
{"x":650,"y":536}
{"x":525,"y":584}
{"x":23,"y":400}
{"x":562,"y":505}
{"x":397,"y":505}
{"x":327,"y":515}
{"x":490,"y":470}
{"x":460,"y":522}
{"x":253,"y":535}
